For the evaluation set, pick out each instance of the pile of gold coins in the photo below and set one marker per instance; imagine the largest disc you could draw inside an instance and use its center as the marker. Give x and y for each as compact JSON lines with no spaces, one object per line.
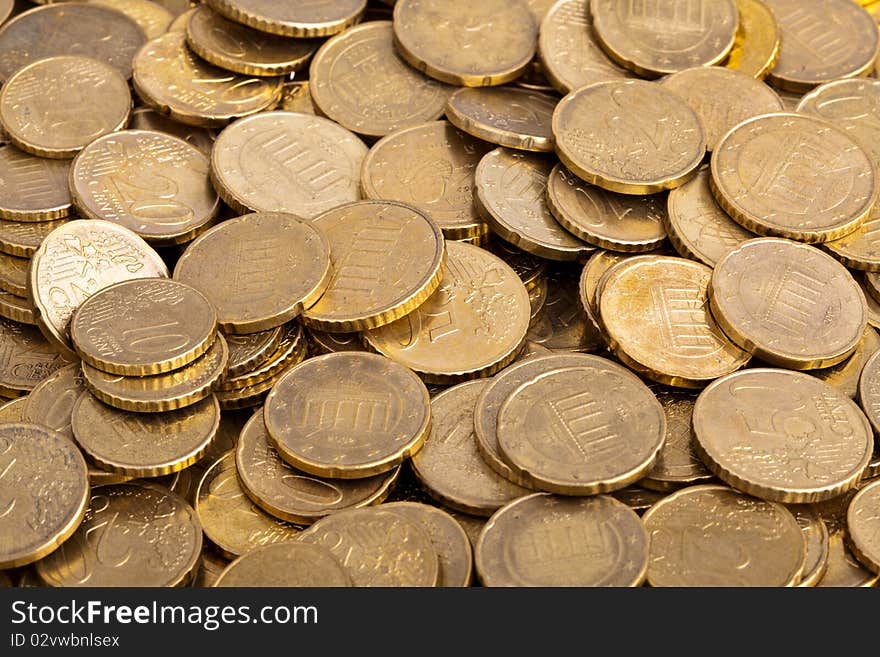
{"x":440,"y":293}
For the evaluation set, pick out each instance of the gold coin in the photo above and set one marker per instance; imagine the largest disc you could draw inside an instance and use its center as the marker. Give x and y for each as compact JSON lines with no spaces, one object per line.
{"x":27,"y":358}
{"x":782,"y":435}
{"x":562,"y":324}
{"x":605,"y":219}
{"x":45,"y":490}
{"x":378,"y":547}
{"x":570,"y":56}
{"x":657,"y":38}
{"x":247,"y":397}
{"x":287,"y":162}
{"x":358,"y":80}
{"x":133,"y":521}
{"x":534,"y":79}
{"x":473,"y":325}
{"x":816,"y":543}
{"x":18,"y":309}
{"x":152,"y":18}
{"x":247,"y":352}
{"x":69,"y":29}
{"x":531,"y":542}
{"x":56,"y":106}
{"x":795,"y":176}
{"x":790,"y":100}
{"x":756,"y":45}
{"x":285,"y":565}
{"x":845,"y":375}
{"x":869,"y":391}
{"x":211,"y":566}
{"x":228,"y":517}
{"x":638,"y":499}
{"x":537,"y":8}
{"x":472,"y":525}
{"x":6,"y":7}
{"x":297,"y":97}
{"x":14,"y":274}
{"x":291,"y":350}
{"x":308,"y":19}
{"x":23,"y":238}
{"x":328,"y":343}
{"x":466,"y":44}
{"x":697,"y":226}
{"x":863,"y":525}
{"x":13,"y":410}
{"x":50,"y":403}
{"x":872,"y":306}
{"x":144,"y":118}
{"x":788,"y":304}
{"x":32,"y":189}
{"x":537,"y":300}
{"x":529,"y":268}
{"x":655,"y":313}
{"x":387,"y":259}
{"x":606,"y":133}
{"x":431,"y":167}
{"x":716,"y":536}
{"x":78,"y":259}
{"x":871,"y":282}
{"x":844,"y":570}
{"x":169,"y":78}
{"x":822,"y":42}
{"x":259,"y":270}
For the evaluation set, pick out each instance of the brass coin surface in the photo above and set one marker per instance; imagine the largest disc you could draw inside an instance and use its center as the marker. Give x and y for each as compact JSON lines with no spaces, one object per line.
{"x":872,"y":305}
{"x":655,"y":312}
{"x":845,"y":375}
{"x":348,"y":415}
{"x":386,"y":261}
{"x":844,"y":570}
{"x":638,"y":499}
{"x":285,"y":565}
{"x":869,"y":391}
{"x":863,"y":526}
{"x":466,"y":44}
{"x":50,"y":403}
{"x":816,"y":543}
{"x":298,"y":19}
{"x":529,"y":268}
{"x":788,"y":304}
{"x":547,"y":540}
{"x":26,"y":358}
{"x":6,"y":7}
{"x":563,"y":324}
{"x":756,"y":45}
{"x":13,"y":410}
{"x":45,"y":492}
{"x":251,"y":350}
{"x":358,"y":80}
{"x":605,"y":219}
{"x":782,"y":435}
{"x":822,"y":41}
{"x":18,"y":309}
{"x":133,"y":521}
{"x":151,"y":17}
{"x":328,"y":343}
{"x":297,"y":97}
{"x":287,"y":162}
{"x":431,"y":167}
{"x":13,"y":274}
{"x":144,"y":118}
{"x":78,"y":259}
{"x":173,"y":81}
{"x":23,"y":238}
{"x":658,"y":38}
{"x":819,"y":186}
{"x":605,"y":134}
{"x":871,"y":281}
{"x":143,"y":326}
{"x":32,"y":189}
{"x":291,"y":494}
{"x":259,"y":270}
{"x":291,"y":350}
{"x":56,"y":106}
{"x":211,"y":566}
{"x":445,"y":339}
{"x":716,"y":536}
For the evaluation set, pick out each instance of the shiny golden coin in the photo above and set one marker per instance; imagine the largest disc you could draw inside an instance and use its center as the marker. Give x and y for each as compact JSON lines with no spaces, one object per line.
{"x":845,"y":375}
{"x":14,"y":274}
{"x":658,"y":38}
{"x":358,"y":80}
{"x":378,"y":547}
{"x":431,"y":167}
{"x":144,"y":118}
{"x":869,"y":391}
{"x":134,"y":520}
{"x":822,"y":41}
{"x":788,"y":304}
{"x":387,"y":260}
{"x":23,"y":238}
{"x":611,"y":548}
{"x":50,"y":403}
{"x":247,"y":397}
{"x":529,"y":268}
{"x":537,"y":300}
{"x":818,"y":188}
{"x":32,"y":189}
{"x":844,"y":570}
{"x":297,"y":97}
{"x":18,"y":309}
{"x":247,"y":352}
{"x":815,"y":535}
{"x":466,"y":44}
{"x":298,"y":19}
{"x":863,"y":526}
{"x":285,"y":565}
{"x":27,"y":358}
{"x":602,"y":218}
{"x":169,"y":78}
{"x":605,"y":133}
{"x":473,"y":325}
{"x":56,"y":106}
{"x":287,"y":162}
{"x":328,"y":343}
{"x":655,"y":313}
{"x":259,"y":270}
{"x":69,"y":29}
{"x":152,"y":18}
{"x":563,"y":324}
{"x":45,"y":492}
{"x":756,"y":45}
{"x":13,"y":410}
{"x":782,"y":435}
{"x":291,"y":350}
{"x":716,"y":536}
{"x":78,"y":259}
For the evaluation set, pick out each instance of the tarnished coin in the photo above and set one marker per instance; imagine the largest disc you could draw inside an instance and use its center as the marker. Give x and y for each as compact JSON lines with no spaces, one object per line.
{"x":872,"y":306}
{"x":32,"y":189}
{"x":144,"y":118}
{"x":297,"y":97}
{"x":756,"y":45}
{"x":863,"y":526}
{"x":716,"y":536}
{"x":795,"y":176}
{"x":13,"y":274}
{"x":148,"y":537}
{"x":845,"y":375}
{"x":297,"y":19}
{"x":56,"y":106}
{"x":151,"y":17}
{"x":291,"y":350}
{"x":462,"y":43}
{"x":638,"y":499}
{"x":44,"y":489}
{"x":358,"y":79}
{"x":50,"y":403}
{"x":259,"y":270}
{"x":655,"y":313}
{"x":871,"y":282}
{"x":788,"y":304}
{"x":18,"y":309}
{"x":173,"y":81}
{"x":6,"y":7}
{"x":844,"y":570}
{"x":629,"y":136}
{"x":432,"y":167}
{"x":386,"y":261}
{"x":328,"y":343}
{"x":869,"y":391}
{"x":656,"y":38}
{"x":815,"y":541}
{"x":562,"y":323}
{"x":445,"y":340}
{"x":249,"y":351}
{"x":822,"y":41}
{"x":13,"y":410}
{"x":285,"y":565}
{"x":26,"y":358}
{"x":588,"y":284}
{"x":547,"y":540}
{"x":287,"y":162}
{"x":782,"y":435}
{"x":23,"y":238}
